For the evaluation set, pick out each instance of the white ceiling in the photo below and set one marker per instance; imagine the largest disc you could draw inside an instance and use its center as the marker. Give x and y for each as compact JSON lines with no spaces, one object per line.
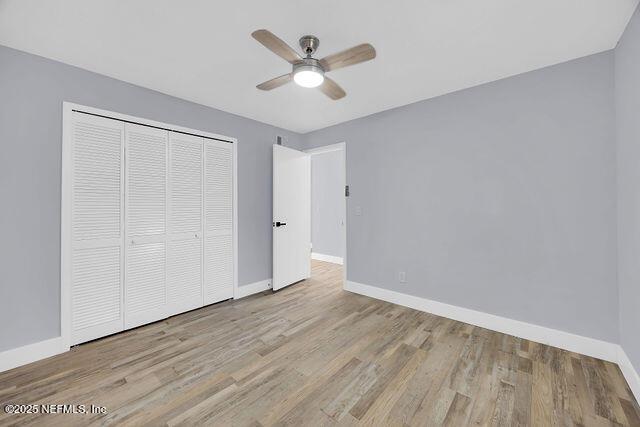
{"x":202,"y":51}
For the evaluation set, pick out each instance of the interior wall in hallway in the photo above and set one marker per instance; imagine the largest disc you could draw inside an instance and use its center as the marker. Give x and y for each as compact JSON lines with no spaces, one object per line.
{"x":327,"y":203}
{"x":627,"y":66}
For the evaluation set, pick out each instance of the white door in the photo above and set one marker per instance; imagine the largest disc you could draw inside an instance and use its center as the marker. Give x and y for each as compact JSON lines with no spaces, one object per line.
{"x":184,"y":239}
{"x":97,"y":148}
{"x":146,"y":235}
{"x":148,"y":222}
{"x":291,"y":216}
{"x":218,"y":221}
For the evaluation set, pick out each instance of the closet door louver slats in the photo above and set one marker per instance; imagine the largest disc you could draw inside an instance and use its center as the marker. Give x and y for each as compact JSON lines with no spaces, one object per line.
{"x":218,"y":214}
{"x":96,"y":227}
{"x":146,"y":238}
{"x":184,"y":281}
{"x":149,"y":214}
{"x":184,"y":274}
{"x":185,"y":183}
{"x":145,"y":294}
{"x":96,"y":290}
{"x":218,"y":268}
{"x":146,"y":181}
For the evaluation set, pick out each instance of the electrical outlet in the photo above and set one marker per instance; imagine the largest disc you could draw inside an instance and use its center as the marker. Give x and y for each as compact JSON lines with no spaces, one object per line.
{"x":402,"y":277}
{"x":358,"y":210}
{"x":269,"y":285}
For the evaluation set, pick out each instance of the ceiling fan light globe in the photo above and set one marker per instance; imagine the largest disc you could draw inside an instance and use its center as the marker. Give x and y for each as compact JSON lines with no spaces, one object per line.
{"x":308,"y":78}
{"x":308,"y":74}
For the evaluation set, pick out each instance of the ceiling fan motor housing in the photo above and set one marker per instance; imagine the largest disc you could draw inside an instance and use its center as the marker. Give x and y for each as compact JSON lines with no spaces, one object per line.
{"x":309,"y":64}
{"x":309,"y":44}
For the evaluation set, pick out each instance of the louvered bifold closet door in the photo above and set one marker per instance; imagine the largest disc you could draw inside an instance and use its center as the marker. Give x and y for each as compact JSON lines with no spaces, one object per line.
{"x":145,"y":298}
{"x":96,"y":227}
{"x":218,"y":216}
{"x":184,"y":265}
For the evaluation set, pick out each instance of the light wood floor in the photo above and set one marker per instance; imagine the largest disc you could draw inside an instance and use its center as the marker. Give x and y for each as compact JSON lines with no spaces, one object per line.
{"x":313,"y":354}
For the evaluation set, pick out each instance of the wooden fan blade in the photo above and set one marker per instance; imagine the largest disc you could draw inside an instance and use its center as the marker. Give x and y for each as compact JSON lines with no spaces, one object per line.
{"x":331,"y":89}
{"x":274,"y":83}
{"x":277,"y":46}
{"x":355,"y":55}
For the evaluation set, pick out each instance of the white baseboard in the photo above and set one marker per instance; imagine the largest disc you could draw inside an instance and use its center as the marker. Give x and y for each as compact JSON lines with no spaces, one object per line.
{"x":553,"y":337}
{"x":253,"y":288}
{"x":326,"y":258}
{"x":15,"y":357}
{"x":629,"y":372}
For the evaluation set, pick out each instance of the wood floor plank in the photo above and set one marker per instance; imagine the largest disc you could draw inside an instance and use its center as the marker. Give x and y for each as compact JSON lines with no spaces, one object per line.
{"x":542,"y":408}
{"x":522,"y":399}
{"x":313,"y":354}
{"x":632,"y":414}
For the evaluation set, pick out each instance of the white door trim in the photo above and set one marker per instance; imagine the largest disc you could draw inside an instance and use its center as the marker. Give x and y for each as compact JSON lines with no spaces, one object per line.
{"x":340,"y":146}
{"x":327,"y":148}
{"x":65,"y":226}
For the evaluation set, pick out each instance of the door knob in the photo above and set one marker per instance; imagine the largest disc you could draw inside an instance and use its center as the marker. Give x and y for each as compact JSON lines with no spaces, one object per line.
{"x":279,"y":224}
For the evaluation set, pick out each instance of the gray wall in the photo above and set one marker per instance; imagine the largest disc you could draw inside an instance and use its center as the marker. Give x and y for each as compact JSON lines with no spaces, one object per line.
{"x":327,"y":203}
{"x":627,"y":64}
{"x":32,"y":90}
{"x":499,"y":198}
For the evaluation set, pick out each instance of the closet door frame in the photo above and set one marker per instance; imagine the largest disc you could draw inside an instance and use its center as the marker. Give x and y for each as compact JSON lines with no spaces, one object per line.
{"x":68,"y":109}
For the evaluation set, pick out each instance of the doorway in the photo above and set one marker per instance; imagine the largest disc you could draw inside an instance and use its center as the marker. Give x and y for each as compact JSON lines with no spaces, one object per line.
{"x":328,"y":204}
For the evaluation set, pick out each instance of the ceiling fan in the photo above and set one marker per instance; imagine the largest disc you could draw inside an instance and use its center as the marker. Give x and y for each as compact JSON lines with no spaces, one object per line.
{"x":308,"y":71}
